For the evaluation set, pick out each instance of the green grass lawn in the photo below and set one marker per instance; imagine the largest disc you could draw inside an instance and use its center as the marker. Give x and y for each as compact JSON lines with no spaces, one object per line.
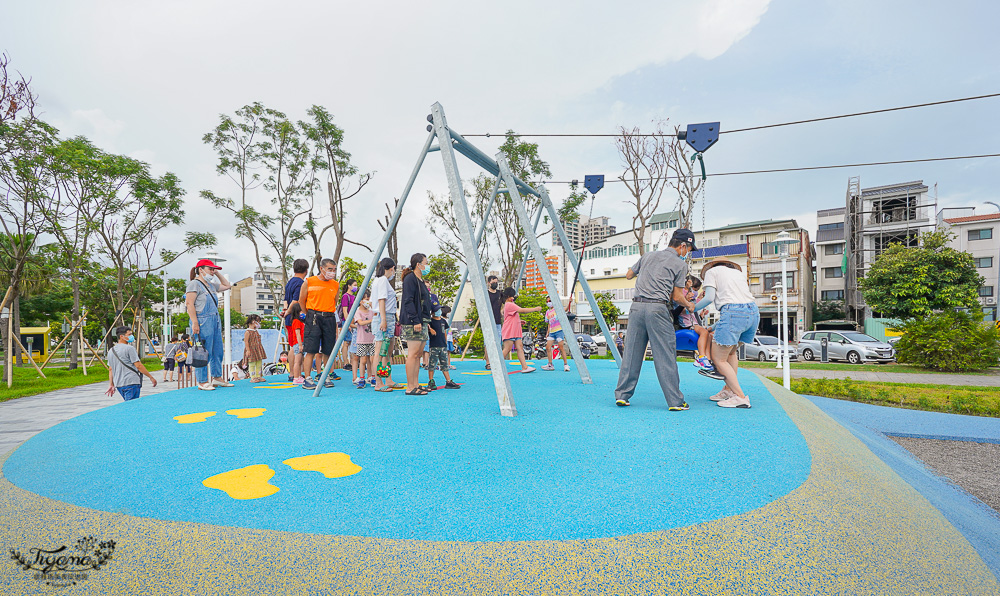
{"x":884,"y":368}
{"x":28,"y":382}
{"x":957,"y":399}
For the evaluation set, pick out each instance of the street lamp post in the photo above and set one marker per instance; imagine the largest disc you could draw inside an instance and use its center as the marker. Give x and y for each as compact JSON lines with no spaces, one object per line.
{"x":784,"y":240}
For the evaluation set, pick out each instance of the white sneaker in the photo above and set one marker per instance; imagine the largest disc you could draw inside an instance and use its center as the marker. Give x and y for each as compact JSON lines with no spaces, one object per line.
{"x":566,"y":367}
{"x":206,"y":387}
{"x":218,"y":383}
{"x":530,"y":369}
{"x":548,"y":367}
{"x":725,"y":393}
{"x":735,"y":402}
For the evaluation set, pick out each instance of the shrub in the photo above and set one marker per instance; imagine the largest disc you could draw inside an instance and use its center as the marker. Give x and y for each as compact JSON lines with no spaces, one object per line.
{"x":968,"y":403}
{"x":950,"y":341}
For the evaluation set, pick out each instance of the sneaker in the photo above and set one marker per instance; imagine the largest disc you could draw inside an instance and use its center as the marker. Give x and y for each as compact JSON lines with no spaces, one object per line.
{"x":431,"y":385}
{"x":566,"y":367}
{"x":735,"y":401}
{"x":724,"y":394}
{"x":334,"y":376}
{"x":487,"y":367}
{"x":290,"y":379}
{"x":206,"y":387}
{"x":452,"y":385}
{"x":680,"y":408}
{"x":299,"y":380}
{"x":548,"y":367}
{"x":347,"y":367}
{"x":218,"y":383}
{"x":704,"y":362}
{"x":308,"y":383}
{"x":360,"y":384}
{"x":712,"y":374}
{"x":530,"y":369}
{"x":621,"y":402}
{"x":371,"y":381}
{"x":329,"y":382}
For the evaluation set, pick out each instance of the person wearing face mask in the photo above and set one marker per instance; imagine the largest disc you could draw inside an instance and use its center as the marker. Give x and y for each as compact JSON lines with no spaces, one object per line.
{"x":349,"y":350}
{"x":319,"y":294}
{"x":660,"y":277}
{"x":126,"y":368}
{"x":365,"y":342}
{"x":415,"y":315}
{"x":206,"y":326}
{"x":496,"y":303}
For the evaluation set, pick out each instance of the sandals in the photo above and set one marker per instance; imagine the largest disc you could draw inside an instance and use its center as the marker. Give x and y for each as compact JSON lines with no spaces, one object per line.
{"x":418,"y":391}
{"x":384,"y":389}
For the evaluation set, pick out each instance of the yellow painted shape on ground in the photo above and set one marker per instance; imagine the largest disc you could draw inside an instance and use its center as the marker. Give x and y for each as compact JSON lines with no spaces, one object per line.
{"x":247,"y":412}
{"x":331,"y":465}
{"x":250,"y":482}
{"x":192,"y":418}
{"x":276,"y":386}
{"x":478,"y":372}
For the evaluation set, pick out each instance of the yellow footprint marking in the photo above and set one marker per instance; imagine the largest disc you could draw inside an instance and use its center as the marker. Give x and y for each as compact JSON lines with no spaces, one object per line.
{"x":244,"y":483}
{"x":247,"y":412}
{"x":331,"y":465}
{"x":275,"y":386}
{"x":191,"y":418}
{"x":478,"y":372}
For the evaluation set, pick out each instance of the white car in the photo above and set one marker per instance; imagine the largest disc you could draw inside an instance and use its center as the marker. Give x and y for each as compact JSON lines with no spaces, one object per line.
{"x":766,"y":347}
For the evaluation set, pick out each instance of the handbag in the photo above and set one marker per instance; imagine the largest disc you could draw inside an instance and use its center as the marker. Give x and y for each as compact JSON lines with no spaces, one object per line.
{"x":198,"y":354}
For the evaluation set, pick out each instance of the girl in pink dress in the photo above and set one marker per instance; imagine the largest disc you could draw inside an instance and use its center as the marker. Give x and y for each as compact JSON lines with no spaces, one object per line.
{"x":511,"y":328}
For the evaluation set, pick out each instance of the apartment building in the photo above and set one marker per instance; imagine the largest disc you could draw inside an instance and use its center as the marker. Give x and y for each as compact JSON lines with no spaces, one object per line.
{"x":979,"y":235}
{"x":554,"y":263}
{"x":593,"y":228}
{"x":259,"y":296}
{"x":829,"y":249}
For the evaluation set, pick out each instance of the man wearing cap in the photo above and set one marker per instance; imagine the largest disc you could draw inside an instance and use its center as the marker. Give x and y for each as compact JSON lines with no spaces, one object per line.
{"x":319,"y":295}
{"x":660,"y":279}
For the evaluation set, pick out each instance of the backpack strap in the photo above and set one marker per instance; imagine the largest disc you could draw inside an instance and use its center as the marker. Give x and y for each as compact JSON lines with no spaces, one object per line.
{"x":210,"y":293}
{"x":114,"y":353}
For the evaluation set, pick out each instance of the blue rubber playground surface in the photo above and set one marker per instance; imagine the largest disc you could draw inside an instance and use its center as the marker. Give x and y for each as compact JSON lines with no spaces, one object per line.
{"x":264,"y":489}
{"x":442,"y":467}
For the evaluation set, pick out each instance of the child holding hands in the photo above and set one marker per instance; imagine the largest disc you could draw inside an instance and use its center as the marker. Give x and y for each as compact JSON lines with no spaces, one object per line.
{"x":511,"y":328}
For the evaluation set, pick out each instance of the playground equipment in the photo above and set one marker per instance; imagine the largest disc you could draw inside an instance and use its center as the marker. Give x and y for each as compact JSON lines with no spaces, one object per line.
{"x":450,"y":143}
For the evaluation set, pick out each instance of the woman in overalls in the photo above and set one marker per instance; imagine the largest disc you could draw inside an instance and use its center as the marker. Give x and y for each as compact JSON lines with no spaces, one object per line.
{"x":203,"y":308}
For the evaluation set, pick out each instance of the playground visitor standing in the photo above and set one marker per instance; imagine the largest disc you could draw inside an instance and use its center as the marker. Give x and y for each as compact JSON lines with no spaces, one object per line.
{"x":253,"y":350}
{"x":126,"y":367}
{"x":203,"y":309}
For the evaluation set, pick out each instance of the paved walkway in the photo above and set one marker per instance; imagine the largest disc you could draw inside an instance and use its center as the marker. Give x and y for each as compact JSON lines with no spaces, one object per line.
{"x":990,"y":380}
{"x":23,"y":418}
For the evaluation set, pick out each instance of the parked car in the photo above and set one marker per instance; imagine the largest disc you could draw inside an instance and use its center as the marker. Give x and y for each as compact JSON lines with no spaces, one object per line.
{"x":767,"y":347}
{"x":599,"y":338}
{"x":851,"y":346}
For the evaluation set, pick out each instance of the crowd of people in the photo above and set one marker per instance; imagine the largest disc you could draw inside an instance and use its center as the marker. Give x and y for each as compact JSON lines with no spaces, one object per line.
{"x":316,"y":309}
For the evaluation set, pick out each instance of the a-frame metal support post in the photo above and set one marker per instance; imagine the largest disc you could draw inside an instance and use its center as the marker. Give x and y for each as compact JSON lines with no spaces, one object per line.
{"x":505,"y":396}
{"x":371,"y":267}
{"x":536,"y":251}
{"x":479,"y":238}
{"x":573,"y":263}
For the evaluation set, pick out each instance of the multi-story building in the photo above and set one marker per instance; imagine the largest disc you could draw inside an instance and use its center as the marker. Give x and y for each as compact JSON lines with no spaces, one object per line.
{"x":979,"y":235}
{"x":533,"y":276}
{"x":259,"y":297}
{"x":829,"y":247}
{"x":592,"y":229}
{"x":751,"y":245}
{"x":874,"y":218}
{"x":236,"y":296}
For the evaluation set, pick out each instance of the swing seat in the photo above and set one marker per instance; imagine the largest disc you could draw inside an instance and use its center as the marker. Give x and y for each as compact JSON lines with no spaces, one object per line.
{"x":687,"y":340}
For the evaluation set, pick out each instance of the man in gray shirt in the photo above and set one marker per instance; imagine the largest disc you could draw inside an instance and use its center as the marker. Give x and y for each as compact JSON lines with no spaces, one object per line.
{"x":661,"y":275}
{"x":126,"y":367}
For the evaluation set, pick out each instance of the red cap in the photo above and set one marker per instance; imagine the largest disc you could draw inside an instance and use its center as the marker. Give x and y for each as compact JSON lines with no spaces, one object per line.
{"x":207,"y":263}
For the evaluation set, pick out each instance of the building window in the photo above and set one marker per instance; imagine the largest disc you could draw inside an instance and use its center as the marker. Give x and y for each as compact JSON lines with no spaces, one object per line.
{"x":770,"y":248}
{"x":832,"y":295}
{"x":829,"y":272}
{"x":772,"y":279}
{"x":985,"y":290}
{"x":984,"y":262}
{"x":983,"y":234}
{"x":833,"y":249}
{"x":261,"y":297}
{"x":673,"y":223}
{"x":832,"y":226}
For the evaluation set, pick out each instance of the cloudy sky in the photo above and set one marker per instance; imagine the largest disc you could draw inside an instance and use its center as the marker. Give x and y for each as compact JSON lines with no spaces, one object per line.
{"x":149,"y":79}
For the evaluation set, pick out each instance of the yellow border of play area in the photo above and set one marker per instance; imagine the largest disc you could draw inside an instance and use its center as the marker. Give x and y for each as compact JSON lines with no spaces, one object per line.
{"x":853,"y":527}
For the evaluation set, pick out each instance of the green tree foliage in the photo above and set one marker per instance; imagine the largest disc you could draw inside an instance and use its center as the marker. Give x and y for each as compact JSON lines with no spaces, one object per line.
{"x":606,"y":304}
{"x":444,"y":277}
{"x":907,"y":282}
{"x":828,"y":310}
{"x":350,"y":269}
{"x":951,"y":340}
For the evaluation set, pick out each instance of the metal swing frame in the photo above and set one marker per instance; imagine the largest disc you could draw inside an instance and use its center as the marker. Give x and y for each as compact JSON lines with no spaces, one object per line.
{"x":450,"y":143}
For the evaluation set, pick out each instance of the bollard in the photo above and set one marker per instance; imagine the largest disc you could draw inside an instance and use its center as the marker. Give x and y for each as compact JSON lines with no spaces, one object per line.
{"x":824,"y":350}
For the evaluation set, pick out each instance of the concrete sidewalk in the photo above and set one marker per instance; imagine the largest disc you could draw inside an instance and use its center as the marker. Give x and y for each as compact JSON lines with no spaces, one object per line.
{"x":990,"y":380}
{"x":23,"y":418}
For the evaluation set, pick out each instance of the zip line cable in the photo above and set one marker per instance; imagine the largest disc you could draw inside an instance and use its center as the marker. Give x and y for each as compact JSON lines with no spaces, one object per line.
{"x":851,"y":115}
{"x":846,"y":165}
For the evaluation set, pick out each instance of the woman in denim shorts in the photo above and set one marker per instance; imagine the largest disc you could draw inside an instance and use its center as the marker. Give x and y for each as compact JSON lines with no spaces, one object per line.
{"x":726,"y":287}
{"x":384,"y":320}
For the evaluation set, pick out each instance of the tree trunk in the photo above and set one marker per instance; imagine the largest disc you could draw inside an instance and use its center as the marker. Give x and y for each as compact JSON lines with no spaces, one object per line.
{"x":16,"y":313}
{"x":75,"y":342}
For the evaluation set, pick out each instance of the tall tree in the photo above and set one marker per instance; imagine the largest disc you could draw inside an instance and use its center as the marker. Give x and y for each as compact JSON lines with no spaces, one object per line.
{"x":16,"y":99}
{"x":444,"y":227}
{"x":262,"y":140}
{"x":908,"y":282}
{"x":444,"y":277}
{"x":646,"y":159}
{"x":343,"y":180}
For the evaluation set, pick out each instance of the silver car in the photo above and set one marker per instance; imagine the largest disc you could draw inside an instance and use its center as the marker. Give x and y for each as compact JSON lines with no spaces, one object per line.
{"x":766,"y":347}
{"x":851,"y":346}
